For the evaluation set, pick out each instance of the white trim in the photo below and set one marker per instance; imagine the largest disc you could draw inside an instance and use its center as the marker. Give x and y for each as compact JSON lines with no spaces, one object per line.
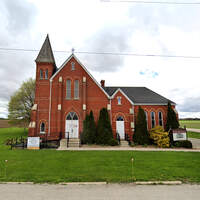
{"x":152,"y":104}
{"x":84,"y":107}
{"x":123,"y":94}
{"x":34,"y":107}
{"x":159,"y":111}
{"x":72,"y":55}
{"x":154,"y":115}
{"x":111,"y":112}
{"x":49,"y":106}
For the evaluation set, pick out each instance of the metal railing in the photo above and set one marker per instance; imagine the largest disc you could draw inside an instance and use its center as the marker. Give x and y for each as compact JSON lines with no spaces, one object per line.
{"x":118,"y":137}
{"x":67,"y":139}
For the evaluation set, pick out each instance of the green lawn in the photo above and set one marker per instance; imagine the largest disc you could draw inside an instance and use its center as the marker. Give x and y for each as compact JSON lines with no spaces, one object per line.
{"x":190,"y":123}
{"x":111,"y":166}
{"x":193,"y":135}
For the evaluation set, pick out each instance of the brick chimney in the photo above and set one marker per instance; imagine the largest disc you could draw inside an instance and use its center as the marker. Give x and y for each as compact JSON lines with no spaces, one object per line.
{"x":102,"y":83}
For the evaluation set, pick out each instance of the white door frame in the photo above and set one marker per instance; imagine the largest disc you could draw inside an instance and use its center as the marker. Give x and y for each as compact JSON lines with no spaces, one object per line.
{"x":72,"y":125}
{"x":120,"y":127}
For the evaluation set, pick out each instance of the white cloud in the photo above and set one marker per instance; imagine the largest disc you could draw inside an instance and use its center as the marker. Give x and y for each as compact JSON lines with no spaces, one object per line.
{"x":91,"y":25}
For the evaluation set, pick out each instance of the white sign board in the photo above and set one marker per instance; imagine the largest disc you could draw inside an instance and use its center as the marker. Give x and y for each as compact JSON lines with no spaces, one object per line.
{"x":33,"y":143}
{"x":179,"y":136}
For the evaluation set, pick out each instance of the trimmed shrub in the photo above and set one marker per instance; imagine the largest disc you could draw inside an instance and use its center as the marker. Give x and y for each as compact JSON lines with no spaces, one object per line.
{"x":172,"y":121}
{"x":89,"y":130}
{"x":113,"y":142}
{"x":104,"y":129}
{"x":184,"y":143}
{"x":141,"y":135}
{"x":160,"y":138}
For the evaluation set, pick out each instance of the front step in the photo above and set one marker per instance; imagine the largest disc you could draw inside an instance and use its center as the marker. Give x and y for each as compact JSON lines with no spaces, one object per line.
{"x":124,"y":143}
{"x":73,"y":142}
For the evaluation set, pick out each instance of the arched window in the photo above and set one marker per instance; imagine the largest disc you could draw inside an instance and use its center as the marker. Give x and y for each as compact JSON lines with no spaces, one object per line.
{"x":41,"y":74}
{"x":153,"y":121}
{"x":160,"y":118}
{"x":120,"y":118}
{"x":119,"y":102}
{"x":72,"y":66}
{"x":72,"y":116}
{"x":76,"y":89}
{"x":42,"y":127}
{"x":146,"y":114}
{"x":46,"y":74}
{"x":68,"y":90}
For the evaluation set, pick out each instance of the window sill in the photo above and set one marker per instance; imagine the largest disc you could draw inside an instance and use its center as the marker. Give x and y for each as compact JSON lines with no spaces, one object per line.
{"x":42,"y":133}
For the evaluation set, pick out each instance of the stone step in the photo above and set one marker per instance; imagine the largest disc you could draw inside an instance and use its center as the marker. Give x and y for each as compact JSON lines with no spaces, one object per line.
{"x":73,"y":142}
{"x":124,"y":143}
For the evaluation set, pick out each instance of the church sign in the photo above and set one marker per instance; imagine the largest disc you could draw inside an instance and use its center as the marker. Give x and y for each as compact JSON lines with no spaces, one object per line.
{"x":33,"y":143}
{"x":179,"y":134}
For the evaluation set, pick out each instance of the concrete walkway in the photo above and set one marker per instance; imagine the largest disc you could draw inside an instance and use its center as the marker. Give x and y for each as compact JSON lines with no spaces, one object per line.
{"x":195,"y":142}
{"x":118,"y":148}
{"x":193,"y":130}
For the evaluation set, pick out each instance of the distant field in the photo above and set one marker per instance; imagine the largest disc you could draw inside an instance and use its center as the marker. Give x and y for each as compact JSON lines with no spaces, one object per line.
{"x":190,"y":123}
{"x":4,"y":123}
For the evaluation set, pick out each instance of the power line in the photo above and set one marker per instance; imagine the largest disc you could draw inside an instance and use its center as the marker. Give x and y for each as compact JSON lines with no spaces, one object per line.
{"x":152,"y":2}
{"x":106,"y":53}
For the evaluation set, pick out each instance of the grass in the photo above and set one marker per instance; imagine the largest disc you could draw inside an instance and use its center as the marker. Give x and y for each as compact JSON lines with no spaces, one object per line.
{"x":190,"y":123}
{"x":193,"y":135}
{"x":13,"y":132}
{"x":110,"y":166}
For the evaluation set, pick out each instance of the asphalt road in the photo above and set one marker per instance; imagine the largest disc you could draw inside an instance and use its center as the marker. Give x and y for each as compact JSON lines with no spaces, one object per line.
{"x":97,"y":192}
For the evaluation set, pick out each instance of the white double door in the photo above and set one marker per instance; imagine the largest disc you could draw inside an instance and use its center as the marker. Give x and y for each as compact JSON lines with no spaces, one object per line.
{"x":120,"y":129}
{"x":71,"y":127}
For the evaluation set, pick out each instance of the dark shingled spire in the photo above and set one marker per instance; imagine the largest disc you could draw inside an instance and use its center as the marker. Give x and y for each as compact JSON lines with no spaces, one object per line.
{"x":46,"y":55}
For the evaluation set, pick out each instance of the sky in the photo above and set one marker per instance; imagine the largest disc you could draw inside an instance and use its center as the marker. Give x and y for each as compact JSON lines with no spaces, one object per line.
{"x":99,"y":26}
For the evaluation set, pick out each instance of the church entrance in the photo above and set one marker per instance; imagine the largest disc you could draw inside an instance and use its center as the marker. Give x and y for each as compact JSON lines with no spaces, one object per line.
{"x":120,"y":127}
{"x":71,"y":125}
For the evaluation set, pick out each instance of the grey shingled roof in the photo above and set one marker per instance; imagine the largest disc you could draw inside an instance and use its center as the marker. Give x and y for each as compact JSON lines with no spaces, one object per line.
{"x":140,"y":95}
{"x":46,"y":54}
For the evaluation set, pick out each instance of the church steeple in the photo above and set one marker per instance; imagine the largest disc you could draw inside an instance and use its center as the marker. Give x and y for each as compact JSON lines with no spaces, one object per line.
{"x":46,"y":54}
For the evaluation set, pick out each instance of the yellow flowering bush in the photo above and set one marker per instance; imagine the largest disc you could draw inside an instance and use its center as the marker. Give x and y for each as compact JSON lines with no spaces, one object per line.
{"x":160,"y":137}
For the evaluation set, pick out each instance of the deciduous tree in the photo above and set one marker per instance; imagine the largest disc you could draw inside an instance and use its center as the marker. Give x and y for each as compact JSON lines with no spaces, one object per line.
{"x":21,"y":102}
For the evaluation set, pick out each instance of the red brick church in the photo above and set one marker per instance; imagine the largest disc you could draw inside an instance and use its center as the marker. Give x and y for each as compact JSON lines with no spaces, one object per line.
{"x":64,"y":95}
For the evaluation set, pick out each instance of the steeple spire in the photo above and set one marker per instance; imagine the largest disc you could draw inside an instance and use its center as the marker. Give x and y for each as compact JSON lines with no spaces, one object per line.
{"x":46,"y":54}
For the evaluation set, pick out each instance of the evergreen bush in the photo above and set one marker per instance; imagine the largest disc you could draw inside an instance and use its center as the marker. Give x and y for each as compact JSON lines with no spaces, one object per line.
{"x":113,"y":142}
{"x":104,"y":129}
{"x":141,"y":135}
{"x":184,"y":143}
{"x":172,"y":121}
{"x":89,"y":130}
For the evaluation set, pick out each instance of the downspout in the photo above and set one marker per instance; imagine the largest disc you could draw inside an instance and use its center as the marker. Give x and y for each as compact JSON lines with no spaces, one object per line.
{"x":133,"y":116}
{"x":111,"y":111}
{"x":50,"y":107}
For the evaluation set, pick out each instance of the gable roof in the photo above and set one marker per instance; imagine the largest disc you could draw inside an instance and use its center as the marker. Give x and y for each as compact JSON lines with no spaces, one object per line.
{"x":68,"y":59}
{"x":140,"y":95}
{"x":46,"y":54}
{"x":119,"y":90}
